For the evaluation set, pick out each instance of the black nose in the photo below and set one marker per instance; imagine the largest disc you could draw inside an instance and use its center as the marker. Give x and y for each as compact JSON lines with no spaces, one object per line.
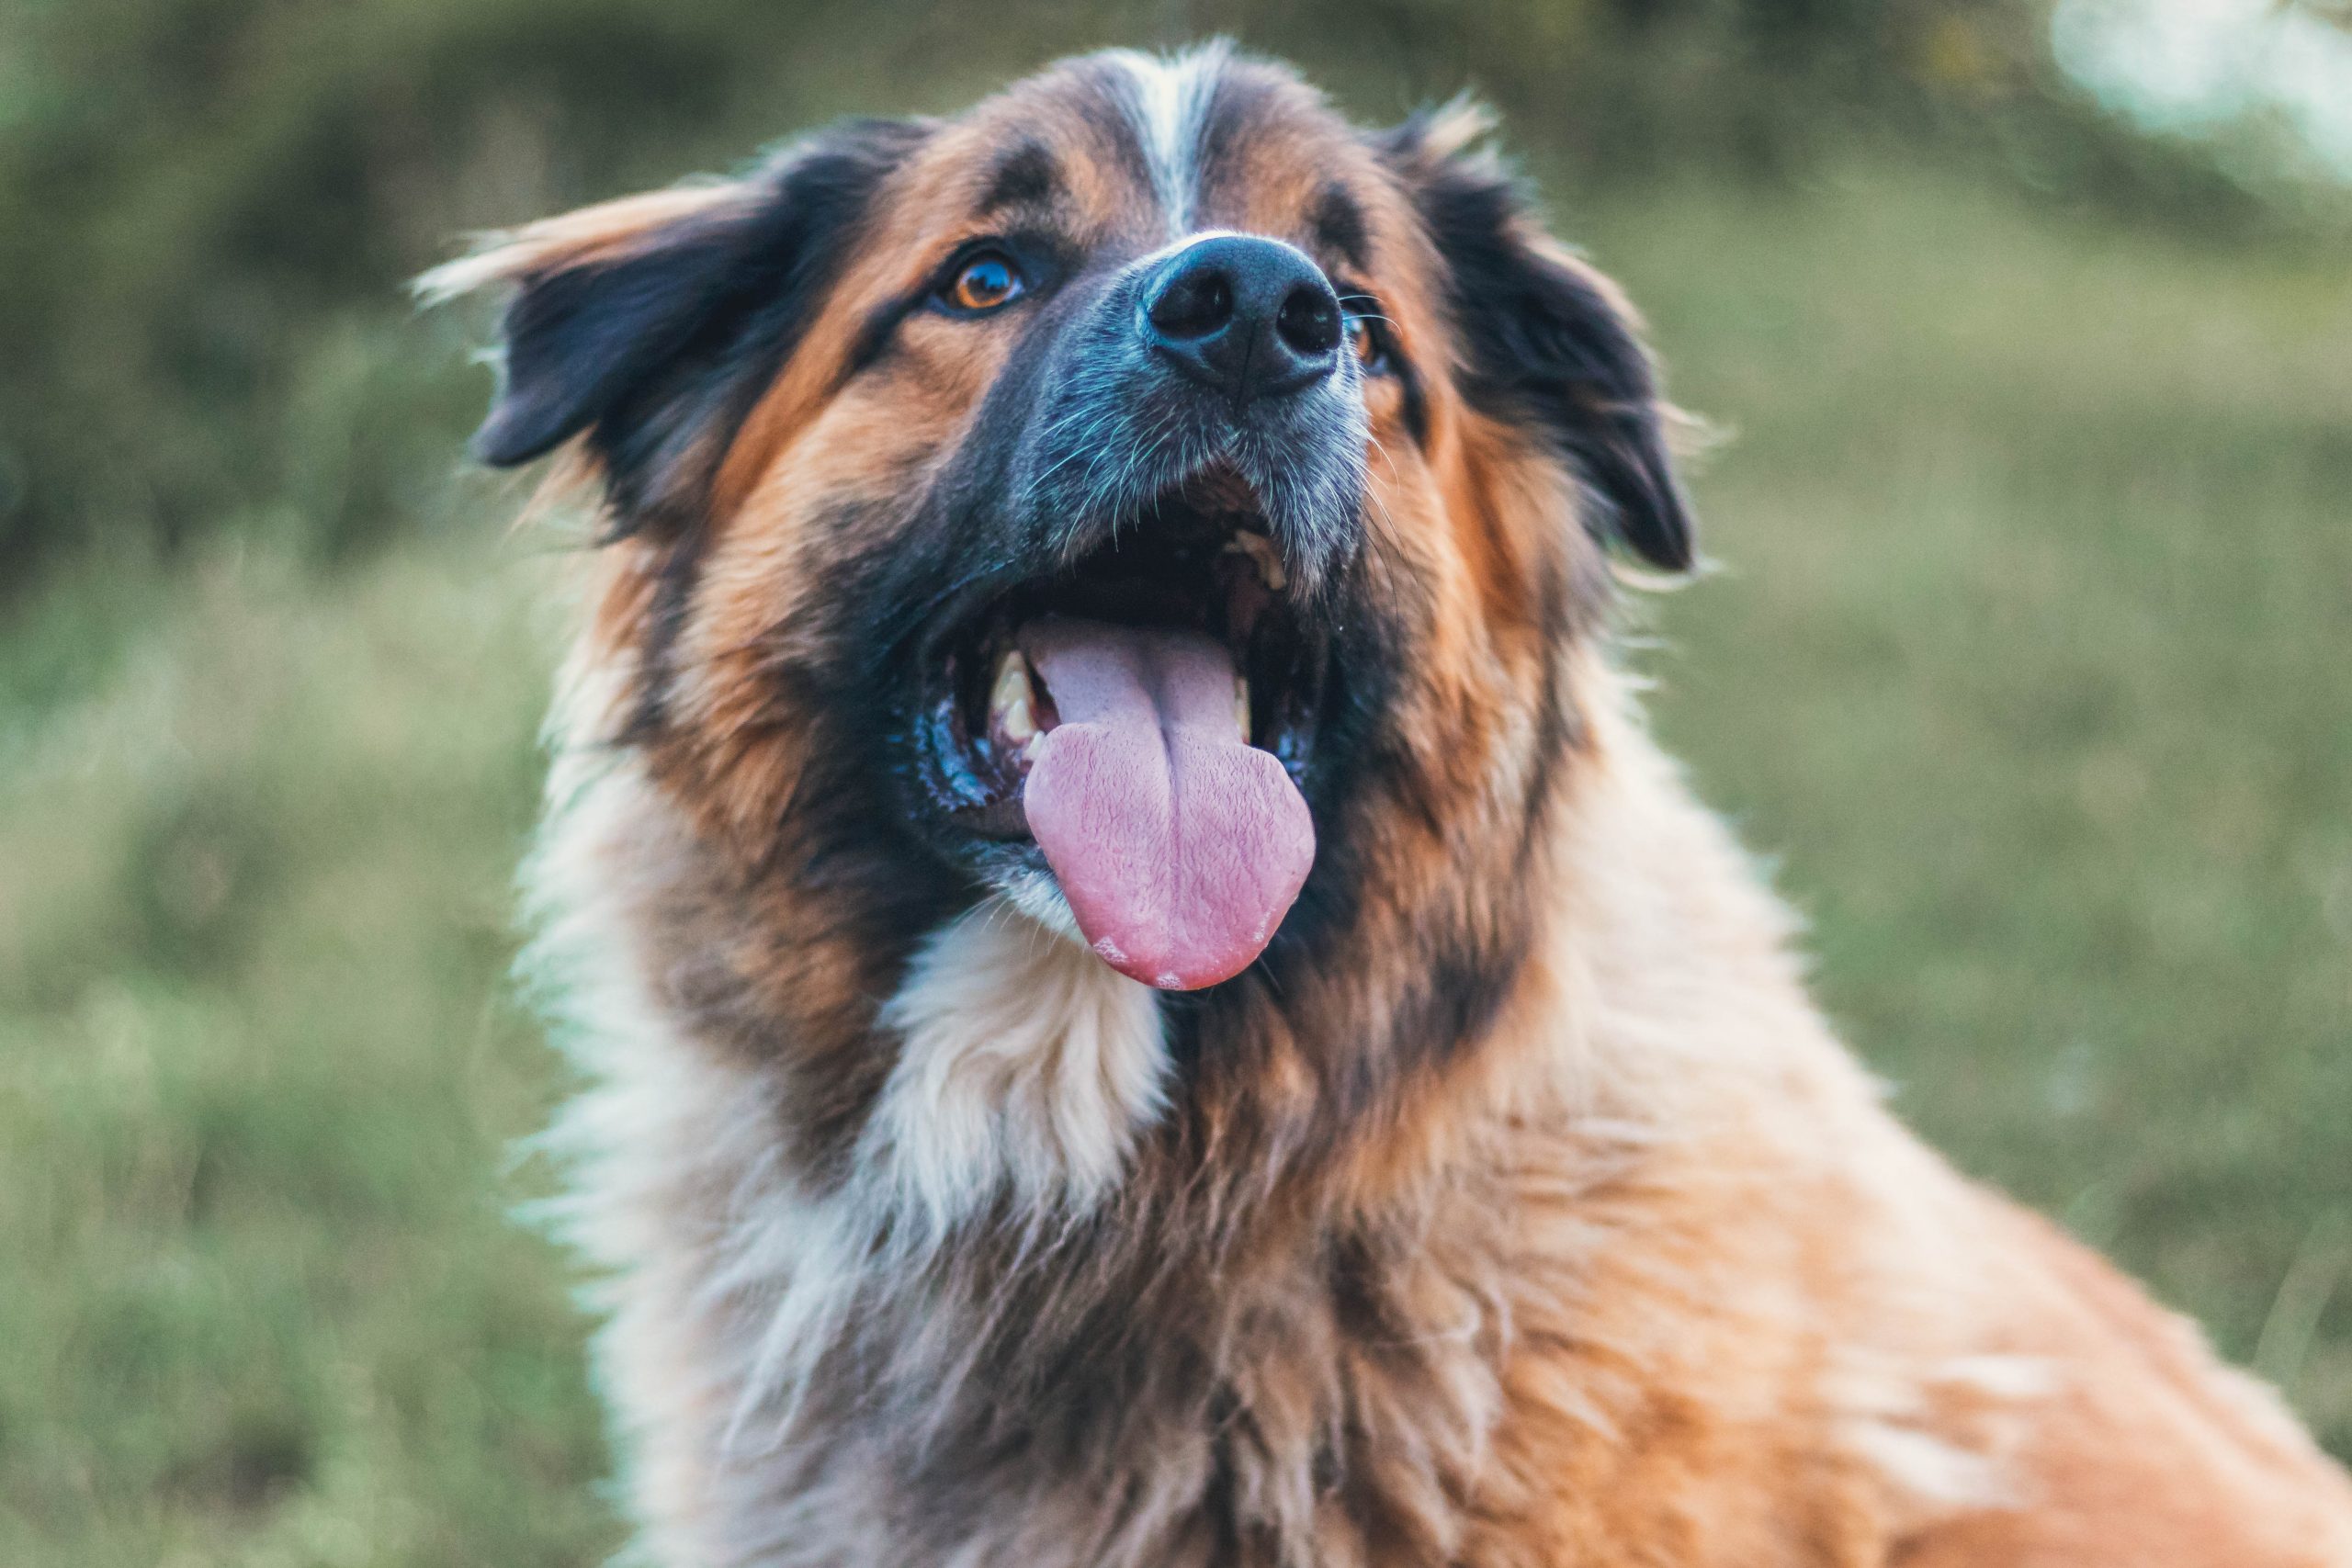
{"x":1251,"y":318}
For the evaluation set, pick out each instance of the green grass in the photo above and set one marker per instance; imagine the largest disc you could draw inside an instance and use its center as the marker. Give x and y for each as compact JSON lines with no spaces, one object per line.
{"x":2027,"y":663}
{"x":258,"y":1069}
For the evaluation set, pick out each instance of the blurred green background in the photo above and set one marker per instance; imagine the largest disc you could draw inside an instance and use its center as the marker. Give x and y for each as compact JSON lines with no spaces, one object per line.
{"x":2031,"y":663}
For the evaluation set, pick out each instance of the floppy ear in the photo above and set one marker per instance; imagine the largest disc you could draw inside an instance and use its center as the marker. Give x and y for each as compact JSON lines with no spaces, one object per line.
{"x":653,"y":323}
{"x":1546,"y":339}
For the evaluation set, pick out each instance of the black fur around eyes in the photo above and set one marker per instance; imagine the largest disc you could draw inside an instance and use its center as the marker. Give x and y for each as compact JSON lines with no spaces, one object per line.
{"x":1360,"y":312}
{"x":1034,"y":263}
{"x":1003,"y":277}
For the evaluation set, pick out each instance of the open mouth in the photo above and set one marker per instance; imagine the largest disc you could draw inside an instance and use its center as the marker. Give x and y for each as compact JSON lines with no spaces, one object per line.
{"x":1145,"y":717}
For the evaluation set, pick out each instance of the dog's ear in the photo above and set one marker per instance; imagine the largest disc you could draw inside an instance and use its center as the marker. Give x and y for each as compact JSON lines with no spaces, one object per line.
{"x":652,"y":324}
{"x":1546,"y":338}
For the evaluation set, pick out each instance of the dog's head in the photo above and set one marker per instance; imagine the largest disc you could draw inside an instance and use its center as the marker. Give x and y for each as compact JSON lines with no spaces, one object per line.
{"x":1145,"y":497}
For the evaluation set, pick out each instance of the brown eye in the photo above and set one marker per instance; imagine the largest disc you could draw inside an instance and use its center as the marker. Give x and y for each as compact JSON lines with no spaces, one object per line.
{"x":1364,"y":343}
{"x":985,"y":282}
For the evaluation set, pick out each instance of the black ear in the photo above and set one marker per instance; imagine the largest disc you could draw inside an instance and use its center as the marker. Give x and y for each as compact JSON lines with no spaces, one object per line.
{"x":652,"y":325}
{"x":1546,"y":339}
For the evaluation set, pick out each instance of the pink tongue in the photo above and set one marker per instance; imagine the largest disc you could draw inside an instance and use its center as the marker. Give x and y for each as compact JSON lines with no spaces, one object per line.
{"x":1179,"y":845}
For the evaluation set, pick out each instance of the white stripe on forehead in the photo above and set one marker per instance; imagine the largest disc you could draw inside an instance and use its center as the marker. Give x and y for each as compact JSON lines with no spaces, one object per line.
{"x":1168,"y":110}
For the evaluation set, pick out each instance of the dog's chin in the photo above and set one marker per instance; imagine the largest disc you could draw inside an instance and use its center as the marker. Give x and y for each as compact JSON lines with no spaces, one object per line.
{"x":1033,"y":892}
{"x":1121,"y":745}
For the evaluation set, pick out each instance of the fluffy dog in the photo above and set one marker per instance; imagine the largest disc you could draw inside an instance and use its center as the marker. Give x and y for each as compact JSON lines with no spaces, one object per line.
{"x":1149,"y":1000}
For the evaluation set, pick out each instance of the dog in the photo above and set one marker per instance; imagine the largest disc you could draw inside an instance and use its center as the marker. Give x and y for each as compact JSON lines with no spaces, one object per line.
{"x":1146,"y":997}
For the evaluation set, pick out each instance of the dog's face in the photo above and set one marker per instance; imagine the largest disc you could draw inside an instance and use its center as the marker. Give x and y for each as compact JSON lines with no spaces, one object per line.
{"x":1145,"y":497}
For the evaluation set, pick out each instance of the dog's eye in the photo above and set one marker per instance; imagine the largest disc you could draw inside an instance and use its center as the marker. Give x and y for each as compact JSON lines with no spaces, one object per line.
{"x":1365,"y":342}
{"x":983,"y":283}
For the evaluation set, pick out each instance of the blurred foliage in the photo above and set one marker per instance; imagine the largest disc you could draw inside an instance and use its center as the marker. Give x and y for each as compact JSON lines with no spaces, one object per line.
{"x":207,"y":206}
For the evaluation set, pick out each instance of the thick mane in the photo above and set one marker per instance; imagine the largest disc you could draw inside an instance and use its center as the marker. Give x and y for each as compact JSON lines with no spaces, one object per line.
{"x":970,"y":1313}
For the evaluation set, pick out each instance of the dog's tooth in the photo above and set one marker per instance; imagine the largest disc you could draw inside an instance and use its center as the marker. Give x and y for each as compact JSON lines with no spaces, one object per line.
{"x":1260,"y":551}
{"x":1241,"y":703}
{"x":1011,"y":680}
{"x":1012,"y":702}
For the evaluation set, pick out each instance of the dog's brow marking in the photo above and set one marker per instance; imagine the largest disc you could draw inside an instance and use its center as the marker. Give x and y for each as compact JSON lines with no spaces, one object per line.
{"x":1025,"y":176}
{"x":1169,"y":111}
{"x":1340,"y":225}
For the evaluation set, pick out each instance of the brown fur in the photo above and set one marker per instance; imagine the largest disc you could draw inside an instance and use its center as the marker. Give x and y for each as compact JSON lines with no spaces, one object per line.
{"x":1536,"y":1221}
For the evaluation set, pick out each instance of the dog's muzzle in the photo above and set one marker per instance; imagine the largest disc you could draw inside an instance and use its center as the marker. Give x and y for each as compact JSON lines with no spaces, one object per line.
{"x":1128,"y":691}
{"x":1222,"y":354}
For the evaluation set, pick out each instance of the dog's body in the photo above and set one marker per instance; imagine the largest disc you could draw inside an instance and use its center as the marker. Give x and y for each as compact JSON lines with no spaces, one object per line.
{"x":1505,"y":1203}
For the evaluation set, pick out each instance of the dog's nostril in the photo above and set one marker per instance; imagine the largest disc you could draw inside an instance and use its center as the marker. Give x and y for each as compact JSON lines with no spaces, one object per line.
{"x":1195,"y":304}
{"x":1247,"y":316}
{"x":1309,"y":320}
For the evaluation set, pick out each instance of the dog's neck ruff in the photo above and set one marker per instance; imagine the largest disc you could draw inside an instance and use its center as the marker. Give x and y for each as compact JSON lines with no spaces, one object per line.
{"x":981,"y":1320}
{"x":1026,"y":1069}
